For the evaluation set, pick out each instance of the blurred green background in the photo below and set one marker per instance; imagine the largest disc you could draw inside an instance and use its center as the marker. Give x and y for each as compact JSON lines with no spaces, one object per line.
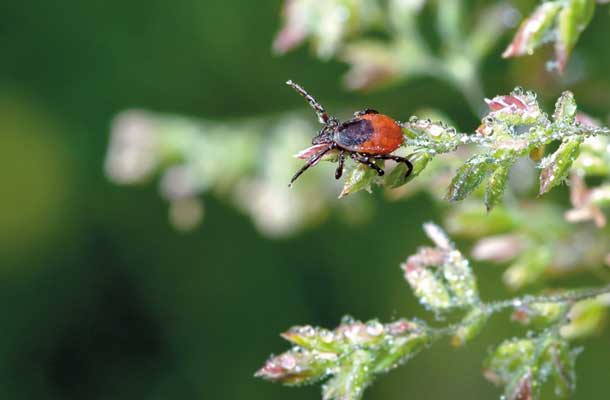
{"x":103,"y":299}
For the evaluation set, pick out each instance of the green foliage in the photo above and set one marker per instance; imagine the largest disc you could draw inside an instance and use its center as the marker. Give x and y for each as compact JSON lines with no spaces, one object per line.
{"x":350,"y":357}
{"x":514,"y":127}
{"x":406,"y":53}
{"x":524,"y":365}
{"x":561,"y":21}
{"x":247,"y":163}
{"x":536,"y":239}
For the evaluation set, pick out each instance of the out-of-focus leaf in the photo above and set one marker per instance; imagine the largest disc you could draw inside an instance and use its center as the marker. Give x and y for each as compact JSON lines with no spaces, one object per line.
{"x":586,"y":317}
{"x":528,"y":268}
{"x":427,"y":287}
{"x":498,"y":248}
{"x":328,"y":23}
{"x":560,"y":21}
{"x":587,"y":202}
{"x":571,"y":21}
{"x":532,"y":30}
{"x":524,"y":365}
{"x":470,"y":326}
{"x":372,"y":64}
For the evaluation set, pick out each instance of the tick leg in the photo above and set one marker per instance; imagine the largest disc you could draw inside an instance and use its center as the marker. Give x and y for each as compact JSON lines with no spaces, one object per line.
{"x":339,"y":170}
{"x":312,"y":160}
{"x":398,"y":159}
{"x":320,"y":111}
{"x":366,"y":160}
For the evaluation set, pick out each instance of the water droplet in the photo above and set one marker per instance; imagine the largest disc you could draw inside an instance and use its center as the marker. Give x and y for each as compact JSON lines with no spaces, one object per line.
{"x":327,"y":336}
{"x":307,"y":330}
{"x":374,"y":328}
{"x":288,"y":362}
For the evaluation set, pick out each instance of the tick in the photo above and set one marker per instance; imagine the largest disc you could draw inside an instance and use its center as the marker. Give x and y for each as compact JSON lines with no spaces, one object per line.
{"x":367,"y":137}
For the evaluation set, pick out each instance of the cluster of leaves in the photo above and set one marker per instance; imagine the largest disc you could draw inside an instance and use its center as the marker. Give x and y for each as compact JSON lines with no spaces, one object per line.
{"x":559,"y":21}
{"x":352,"y":354}
{"x":192,"y":158}
{"x":247,"y":163}
{"x":532,"y":238}
{"x":537,"y":237}
{"x":523,"y":365}
{"x":350,"y":357}
{"x":514,"y":127}
{"x":338,"y":28}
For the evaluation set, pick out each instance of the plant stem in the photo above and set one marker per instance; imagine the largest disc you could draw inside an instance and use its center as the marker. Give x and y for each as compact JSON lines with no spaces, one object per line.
{"x":571,"y":296}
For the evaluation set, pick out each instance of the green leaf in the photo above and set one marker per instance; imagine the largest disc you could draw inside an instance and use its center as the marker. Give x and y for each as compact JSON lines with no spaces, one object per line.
{"x":495,"y":186}
{"x":561,"y":360}
{"x":359,"y":178}
{"x":521,"y":387}
{"x":532,"y":30}
{"x":312,"y":338}
{"x":427,"y":287}
{"x":353,"y":378}
{"x":441,"y":277}
{"x":468,"y":177}
{"x":396,"y":178}
{"x":297,"y":367}
{"x":508,"y":358}
{"x":524,"y":365}
{"x":586,"y":318}
{"x":572,"y":20}
{"x":565,"y":108}
{"x":471,"y":326}
{"x":555,"y":167}
{"x":459,"y":278}
{"x":352,"y":354}
{"x":402,"y":347}
{"x":529,"y":267}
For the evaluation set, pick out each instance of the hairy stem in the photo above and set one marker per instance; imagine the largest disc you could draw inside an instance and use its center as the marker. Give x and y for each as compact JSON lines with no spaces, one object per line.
{"x":571,"y":296}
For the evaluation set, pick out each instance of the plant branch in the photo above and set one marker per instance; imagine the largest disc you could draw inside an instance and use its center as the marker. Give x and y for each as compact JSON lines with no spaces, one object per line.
{"x":569,"y":297}
{"x":355,"y":353}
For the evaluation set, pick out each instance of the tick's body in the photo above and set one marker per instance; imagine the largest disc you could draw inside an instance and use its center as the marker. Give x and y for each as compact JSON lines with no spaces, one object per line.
{"x":369,"y":136}
{"x":370,"y":133}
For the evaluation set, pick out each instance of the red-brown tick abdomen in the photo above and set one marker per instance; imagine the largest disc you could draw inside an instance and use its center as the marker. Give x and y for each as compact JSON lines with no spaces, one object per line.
{"x":386,"y":137}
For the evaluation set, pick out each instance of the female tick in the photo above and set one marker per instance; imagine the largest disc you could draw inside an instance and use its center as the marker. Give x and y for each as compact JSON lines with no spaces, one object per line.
{"x":367,"y":137}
